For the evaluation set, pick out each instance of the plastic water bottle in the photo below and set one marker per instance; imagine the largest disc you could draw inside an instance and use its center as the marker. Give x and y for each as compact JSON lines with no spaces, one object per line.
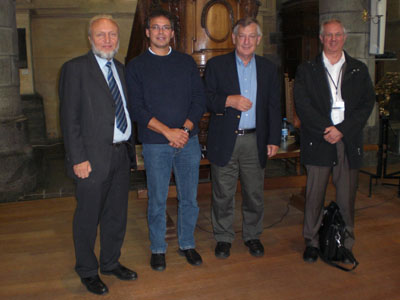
{"x":285,"y":130}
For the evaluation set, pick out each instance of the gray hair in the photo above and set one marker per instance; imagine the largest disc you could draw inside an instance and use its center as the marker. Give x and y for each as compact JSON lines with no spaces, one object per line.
{"x":333,"y":20}
{"x":246,"y":22}
{"x":98,"y":17}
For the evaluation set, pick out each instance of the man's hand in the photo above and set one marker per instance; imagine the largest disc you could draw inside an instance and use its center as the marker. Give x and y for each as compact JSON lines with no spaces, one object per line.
{"x":272,"y":149}
{"x":83,"y":169}
{"x":239,"y":102}
{"x":177,"y":137}
{"x":332,"y":135}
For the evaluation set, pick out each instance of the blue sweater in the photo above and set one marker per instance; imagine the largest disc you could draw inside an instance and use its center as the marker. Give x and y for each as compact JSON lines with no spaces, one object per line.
{"x":168,"y":88}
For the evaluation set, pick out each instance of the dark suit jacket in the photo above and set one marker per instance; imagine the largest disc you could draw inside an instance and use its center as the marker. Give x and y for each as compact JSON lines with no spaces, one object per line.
{"x":222,"y":80}
{"x":313,"y":106}
{"x":87,"y":113}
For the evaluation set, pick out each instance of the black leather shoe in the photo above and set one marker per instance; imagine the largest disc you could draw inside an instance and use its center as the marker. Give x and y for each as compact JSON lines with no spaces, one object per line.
{"x":157,"y":261}
{"x":122,"y":273}
{"x":255,"y":247}
{"x":310,"y":254}
{"x":222,"y":250}
{"x":192,"y":256}
{"x":95,"y":285}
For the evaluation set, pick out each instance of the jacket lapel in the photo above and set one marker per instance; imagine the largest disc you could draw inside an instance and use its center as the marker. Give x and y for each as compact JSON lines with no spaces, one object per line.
{"x":95,"y":71}
{"x":232,"y":73}
{"x":322,"y":84}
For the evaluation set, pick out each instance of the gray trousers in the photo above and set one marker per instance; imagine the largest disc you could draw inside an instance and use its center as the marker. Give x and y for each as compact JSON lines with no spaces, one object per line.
{"x":244,"y":165}
{"x":345,"y":180}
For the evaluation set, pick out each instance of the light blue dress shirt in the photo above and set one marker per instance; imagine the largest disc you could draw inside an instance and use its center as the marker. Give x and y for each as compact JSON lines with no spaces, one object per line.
{"x":248,"y":88}
{"x":118,"y":135}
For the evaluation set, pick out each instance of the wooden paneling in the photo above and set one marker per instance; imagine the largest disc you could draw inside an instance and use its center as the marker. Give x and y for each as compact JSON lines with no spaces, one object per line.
{"x":203,"y":28}
{"x":209,"y":28}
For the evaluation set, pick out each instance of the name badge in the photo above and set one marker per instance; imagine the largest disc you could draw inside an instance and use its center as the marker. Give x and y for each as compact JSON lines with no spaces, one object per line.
{"x":337,"y":114}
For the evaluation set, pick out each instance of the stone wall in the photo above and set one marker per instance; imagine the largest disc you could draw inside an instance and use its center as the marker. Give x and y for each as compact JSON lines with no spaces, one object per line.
{"x":57,"y":32}
{"x":17,"y":174}
{"x":392,"y":41}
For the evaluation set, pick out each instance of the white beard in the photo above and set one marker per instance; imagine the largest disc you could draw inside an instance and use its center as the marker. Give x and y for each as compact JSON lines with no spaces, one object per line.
{"x":103,"y":54}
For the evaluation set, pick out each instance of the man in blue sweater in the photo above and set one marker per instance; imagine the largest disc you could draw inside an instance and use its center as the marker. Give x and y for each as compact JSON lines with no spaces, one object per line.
{"x":167,"y":101}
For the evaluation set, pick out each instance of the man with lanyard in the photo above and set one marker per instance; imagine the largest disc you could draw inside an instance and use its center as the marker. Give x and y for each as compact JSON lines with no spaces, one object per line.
{"x":334,"y":97}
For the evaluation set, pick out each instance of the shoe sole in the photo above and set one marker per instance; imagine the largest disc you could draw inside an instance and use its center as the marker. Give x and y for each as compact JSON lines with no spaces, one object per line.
{"x":222,"y":256}
{"x":106,"y":292}
{"x":253,"y":253}
{"x":256,"y":254}
{"x":93,"y":292}
{"x":310,"y":261}
{"x":120,"y":278}
{"x":159,"y":269}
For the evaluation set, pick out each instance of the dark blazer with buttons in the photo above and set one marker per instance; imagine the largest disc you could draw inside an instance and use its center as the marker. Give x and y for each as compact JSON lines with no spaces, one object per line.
{"x":313,"y":106}
{"x":87,"y":113}
{"x":222,"y":80}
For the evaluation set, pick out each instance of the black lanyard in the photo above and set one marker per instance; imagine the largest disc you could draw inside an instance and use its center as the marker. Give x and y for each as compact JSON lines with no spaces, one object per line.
{"x":336,"y":85}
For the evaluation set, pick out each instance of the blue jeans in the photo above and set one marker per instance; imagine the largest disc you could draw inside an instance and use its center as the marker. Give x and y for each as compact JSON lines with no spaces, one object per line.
{"x":159,"y":160}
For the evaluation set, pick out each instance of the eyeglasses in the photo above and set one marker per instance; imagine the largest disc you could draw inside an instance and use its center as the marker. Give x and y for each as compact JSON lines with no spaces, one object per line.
{"x":158,"y":28}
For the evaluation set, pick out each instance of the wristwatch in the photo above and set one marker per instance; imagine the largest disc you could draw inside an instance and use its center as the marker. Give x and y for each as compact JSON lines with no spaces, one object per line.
{"x":185,"y":129}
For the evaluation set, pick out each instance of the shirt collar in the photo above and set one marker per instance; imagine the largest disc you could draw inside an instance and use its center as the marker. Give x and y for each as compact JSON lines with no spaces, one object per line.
{"x":239,"y":60}
{"x":328,"y":63}
{"x":102,"y":61}
{"x":152,"y":52}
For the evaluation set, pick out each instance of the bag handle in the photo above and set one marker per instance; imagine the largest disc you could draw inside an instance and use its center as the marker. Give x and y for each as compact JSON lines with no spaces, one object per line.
{"x":346,"y":254}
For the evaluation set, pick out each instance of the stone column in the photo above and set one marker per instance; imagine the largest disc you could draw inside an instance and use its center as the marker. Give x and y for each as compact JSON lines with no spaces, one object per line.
{"x":357,"y":46}
{"x":17,"y":172}
{"x":350,"y":12}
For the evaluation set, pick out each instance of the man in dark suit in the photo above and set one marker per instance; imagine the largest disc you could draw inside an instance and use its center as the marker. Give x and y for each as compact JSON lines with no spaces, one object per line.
{"x":243,"y":96}
{"x":334,"y":97}
{"x":99,"y":152}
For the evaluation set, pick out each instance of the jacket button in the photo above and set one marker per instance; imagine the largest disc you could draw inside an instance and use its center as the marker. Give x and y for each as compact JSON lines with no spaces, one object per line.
{"x":236,"y":131}
{"x":310,"y":143}
{"x":238,"y":116}
{"x":334,"y":163}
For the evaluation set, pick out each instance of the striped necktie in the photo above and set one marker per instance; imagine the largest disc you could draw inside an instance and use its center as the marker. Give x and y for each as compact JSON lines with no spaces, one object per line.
{"x":119,"y":107}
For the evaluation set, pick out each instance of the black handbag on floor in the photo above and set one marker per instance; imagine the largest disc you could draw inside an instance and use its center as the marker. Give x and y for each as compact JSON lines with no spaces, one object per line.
{"x":332,"y":235}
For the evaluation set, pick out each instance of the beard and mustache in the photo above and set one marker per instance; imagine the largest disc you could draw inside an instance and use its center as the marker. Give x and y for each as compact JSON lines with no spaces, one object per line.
{"x":102,"y":54}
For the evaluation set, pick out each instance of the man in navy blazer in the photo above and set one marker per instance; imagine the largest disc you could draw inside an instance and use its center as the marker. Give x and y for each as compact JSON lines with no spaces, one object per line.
{"x":243,"y":97}
{"x":99,"y":152}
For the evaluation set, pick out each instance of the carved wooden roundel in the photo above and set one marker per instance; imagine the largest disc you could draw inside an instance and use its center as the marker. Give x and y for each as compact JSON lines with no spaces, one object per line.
{"x":217,"y":20}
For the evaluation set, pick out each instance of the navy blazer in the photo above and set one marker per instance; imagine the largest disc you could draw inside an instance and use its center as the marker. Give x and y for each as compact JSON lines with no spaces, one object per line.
{"x":87,"y":113}
{"x":222,"y":80}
